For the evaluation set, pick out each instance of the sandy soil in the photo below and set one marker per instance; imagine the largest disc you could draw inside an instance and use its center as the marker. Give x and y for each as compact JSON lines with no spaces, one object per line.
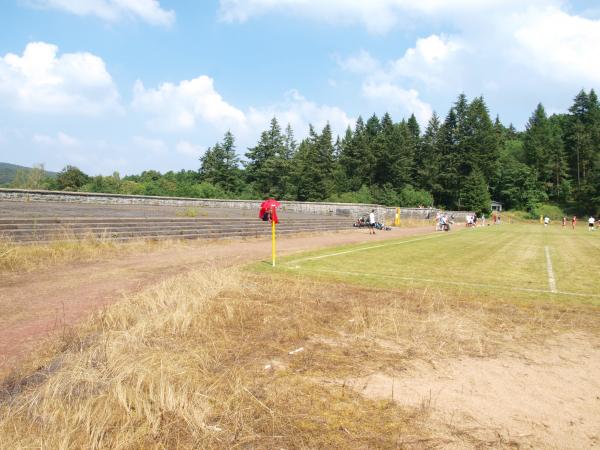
{"x":541,"y":397}
{"x":35,"y":304}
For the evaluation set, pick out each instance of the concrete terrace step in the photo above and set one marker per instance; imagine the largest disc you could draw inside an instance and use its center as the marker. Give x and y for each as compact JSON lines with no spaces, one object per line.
{"x":114,"y":225}
{"x":17,"y":234}
{"x":204,"y":235}
{"x":108,"y":226}
{"x":48,"y":229}
{"x":88,"y":220}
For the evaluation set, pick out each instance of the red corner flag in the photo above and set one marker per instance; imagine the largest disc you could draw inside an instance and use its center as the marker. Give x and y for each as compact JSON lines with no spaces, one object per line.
{"x":274,"y":217}
{"x":268,"y":210}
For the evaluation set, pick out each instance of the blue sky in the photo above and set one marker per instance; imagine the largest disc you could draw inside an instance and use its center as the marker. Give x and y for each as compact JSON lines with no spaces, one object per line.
{"x":129,"y":85}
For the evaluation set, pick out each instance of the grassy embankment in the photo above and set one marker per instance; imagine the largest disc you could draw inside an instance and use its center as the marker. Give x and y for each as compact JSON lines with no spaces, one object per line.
{"x":213,"y":359}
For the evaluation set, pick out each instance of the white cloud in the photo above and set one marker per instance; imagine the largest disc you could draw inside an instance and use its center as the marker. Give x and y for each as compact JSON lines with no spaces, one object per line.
{"x":193,"y":105}
{"x":378,"y":16}
{"x":66,"y":140}
{"x":62,"y":139}
{"x":149,"y":11}
{"x":396,"y":99}
{"x":559,"y":45}
{"x":361,"y":63}
{"x":40,"y":81}
{"x":186,"y":148}
{"x":299,"y":112}
{"x":522,"y":54}
{"x":154,"y":146}
{"x":43,"y":139}
{"x":428,"y":60}
{"x":179,"y":107}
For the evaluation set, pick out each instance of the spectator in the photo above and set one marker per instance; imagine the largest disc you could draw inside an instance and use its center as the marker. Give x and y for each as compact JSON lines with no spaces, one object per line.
{"x":372,"y":222}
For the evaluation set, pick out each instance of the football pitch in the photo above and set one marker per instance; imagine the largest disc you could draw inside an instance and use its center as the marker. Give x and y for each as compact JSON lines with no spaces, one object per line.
{"x":508,"y":261}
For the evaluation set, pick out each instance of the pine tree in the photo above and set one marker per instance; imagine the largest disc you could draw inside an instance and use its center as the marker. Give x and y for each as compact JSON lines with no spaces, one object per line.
{"x":578,"y":136}
{"x":220,"y":165}
{"x":475,"y":195}
{"x":267,"y":166}
{"x":449,"y":140}
{"x":313,"y":166}
{"x":429,"y":160}
{"x":536,"y":143}
{"x":559,"y":185}
{"x":481,"y":143}
{"x":289,"y":143}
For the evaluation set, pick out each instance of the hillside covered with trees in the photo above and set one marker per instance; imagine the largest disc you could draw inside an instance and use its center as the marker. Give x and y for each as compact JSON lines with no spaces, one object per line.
{"x":459,"y":161}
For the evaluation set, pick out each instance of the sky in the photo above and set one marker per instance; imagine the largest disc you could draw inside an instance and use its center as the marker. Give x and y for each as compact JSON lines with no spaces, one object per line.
{"x":132,"y":85}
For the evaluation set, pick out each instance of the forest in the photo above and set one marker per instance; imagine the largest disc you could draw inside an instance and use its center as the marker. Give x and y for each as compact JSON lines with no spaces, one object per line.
{"x":459,"y":162}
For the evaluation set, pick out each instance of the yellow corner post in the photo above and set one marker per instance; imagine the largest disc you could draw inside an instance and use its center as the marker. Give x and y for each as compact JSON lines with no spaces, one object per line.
{"x":397,"y":220}
{"x":273,"y":243}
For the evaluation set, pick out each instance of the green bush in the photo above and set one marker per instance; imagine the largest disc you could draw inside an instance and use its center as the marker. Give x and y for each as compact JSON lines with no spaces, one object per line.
{"x":546,"y":209}
{"x":208,"y":190}
{"x":361,"y":196}
{"x":411,"y":197}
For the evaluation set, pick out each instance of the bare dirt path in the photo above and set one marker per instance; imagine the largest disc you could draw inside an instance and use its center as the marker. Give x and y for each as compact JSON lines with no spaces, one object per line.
{"x":34,"y":304}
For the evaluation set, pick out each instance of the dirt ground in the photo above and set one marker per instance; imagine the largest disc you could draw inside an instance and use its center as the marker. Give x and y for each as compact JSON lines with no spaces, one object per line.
{"x":541,"y":397}
{"x":36,"y":304}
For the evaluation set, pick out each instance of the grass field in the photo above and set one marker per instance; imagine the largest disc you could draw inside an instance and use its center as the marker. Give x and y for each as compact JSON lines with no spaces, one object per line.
{"x":520,"y":261}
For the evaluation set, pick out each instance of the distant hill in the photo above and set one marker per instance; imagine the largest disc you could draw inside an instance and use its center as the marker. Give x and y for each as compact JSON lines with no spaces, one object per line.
{"x":8,"y":172}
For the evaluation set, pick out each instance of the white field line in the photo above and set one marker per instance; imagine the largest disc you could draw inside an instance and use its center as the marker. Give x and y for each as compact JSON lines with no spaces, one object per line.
{"x":456,"y":283}
{"x":354,"y":250}
{"x":551,"y":277}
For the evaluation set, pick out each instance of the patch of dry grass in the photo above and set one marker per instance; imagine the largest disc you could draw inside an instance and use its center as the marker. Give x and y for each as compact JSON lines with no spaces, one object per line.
{"x":203,"y":361}
{"x":16,"y":257}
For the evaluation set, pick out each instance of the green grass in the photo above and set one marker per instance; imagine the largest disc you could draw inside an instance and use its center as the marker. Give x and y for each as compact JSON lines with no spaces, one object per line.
{"x":505,"y":261}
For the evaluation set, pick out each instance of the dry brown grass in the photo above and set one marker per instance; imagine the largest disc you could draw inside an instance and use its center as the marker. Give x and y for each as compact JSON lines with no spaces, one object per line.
{"x":203,"y":361}
{"x":15,"y":257}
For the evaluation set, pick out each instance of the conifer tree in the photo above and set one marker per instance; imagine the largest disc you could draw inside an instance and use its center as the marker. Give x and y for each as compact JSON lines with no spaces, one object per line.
{"x":475,"y":195}
{"x":267,"y":164}
{"x":220,"y":165}
{"x":313,"y":166}
{"x":429,"y":161}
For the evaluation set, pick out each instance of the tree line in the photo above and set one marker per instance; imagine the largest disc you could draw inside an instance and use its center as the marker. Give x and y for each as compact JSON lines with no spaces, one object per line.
{"x":459,"y":162}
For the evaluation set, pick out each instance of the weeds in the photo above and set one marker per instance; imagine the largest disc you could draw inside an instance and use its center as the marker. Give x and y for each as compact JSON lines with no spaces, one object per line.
{"x":24,"y":258}
{"x":191,"y":212}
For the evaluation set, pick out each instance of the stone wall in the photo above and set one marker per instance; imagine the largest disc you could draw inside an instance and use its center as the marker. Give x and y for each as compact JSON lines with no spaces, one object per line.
{"x":320,"y":208}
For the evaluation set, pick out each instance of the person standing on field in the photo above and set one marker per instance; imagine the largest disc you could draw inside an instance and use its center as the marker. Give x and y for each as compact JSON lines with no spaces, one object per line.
{"x":591,"y":222}
{"x":372,"y":222}
{"x":564,"y":222}
{"x":573,"y":222}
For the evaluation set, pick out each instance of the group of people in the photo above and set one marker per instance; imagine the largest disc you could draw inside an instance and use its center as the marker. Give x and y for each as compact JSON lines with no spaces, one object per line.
{"x":592,"y":222}
{"x":370,"y":222}
{"x":472,"y":220}
{"x":443,"y":222}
